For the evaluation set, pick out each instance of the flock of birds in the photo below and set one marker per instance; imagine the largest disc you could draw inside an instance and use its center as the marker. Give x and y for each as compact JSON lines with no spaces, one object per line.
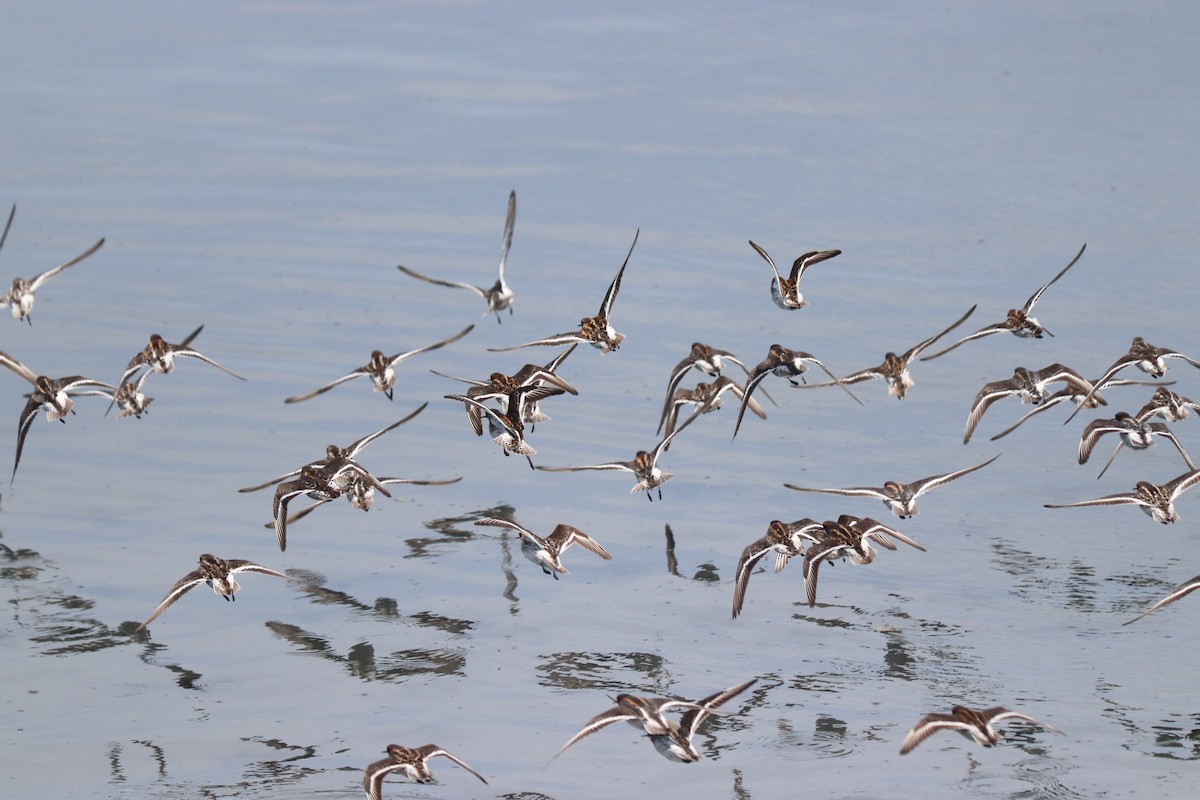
{"x":510,"y":405}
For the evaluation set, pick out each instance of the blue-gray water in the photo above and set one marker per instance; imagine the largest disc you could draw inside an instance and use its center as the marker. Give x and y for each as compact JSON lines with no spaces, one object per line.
{"x":261,"y":168}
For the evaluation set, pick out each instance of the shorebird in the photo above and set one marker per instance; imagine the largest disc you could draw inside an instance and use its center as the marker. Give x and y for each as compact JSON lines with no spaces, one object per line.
{"x":1158,"y":502}
{"x":1147,"y":357}
{"x":673,"y":740}
{"x":977,"y":725}
{"x":20,"y":296}
{"x":788,"y":364}
{"x":500,"y":295}
{"x":785,"y":539}
{"x":505,"y":427}
{"x":547,"y":552}
{"x":499,"y":386}
{"x":596,"y":331}
{"x":1179,"y":592}
{"x":1029,"y":385}
{"x":159,"y":355}
{"x":786,"y":291}
{"x":706,"y":359}
{"x":1076,"y":395}
{"x":901,"y":498}
{"x":1019,"y":322}
{"x":217,"y":573}
{"x":644,"y":467}
{"x":894,"y":368}
{"x":1136,"y":433}
{"x":381,"y":369}
{"x":323,"y":484}
{"x":707,"y":397}
{"x":412,"y":761}
{"x":333,"y":452}
{"x":53,"y":395}
{"x":849,"y":536}
{"x":1168,"y":405}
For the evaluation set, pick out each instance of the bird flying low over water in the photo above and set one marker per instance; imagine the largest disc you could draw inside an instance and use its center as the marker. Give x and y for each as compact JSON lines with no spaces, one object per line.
{"x":20,"y":296}
{"x":1147,"y":357}
{"x":786,"y":291}
{"x":976,"y":725}
{"x":596,"y":331}
{"x":500,"y":295}
{"x":547,"y":552}
{"x":1029,"y":385}
{"x":217,"y":573}
{"x":412,"y":761}
{"x":1019,"y":321}
{"x":381,"y":369}
{"x":1158,"y":502}
{"x":788,"y":364}
{"x":1178,"y":593}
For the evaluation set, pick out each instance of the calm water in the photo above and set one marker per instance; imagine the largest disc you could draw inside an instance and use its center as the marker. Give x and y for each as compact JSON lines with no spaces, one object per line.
{"x":262,"y":168}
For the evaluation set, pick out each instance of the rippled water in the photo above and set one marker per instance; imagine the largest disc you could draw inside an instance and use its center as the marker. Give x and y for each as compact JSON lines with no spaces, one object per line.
{"x":262,"y":168}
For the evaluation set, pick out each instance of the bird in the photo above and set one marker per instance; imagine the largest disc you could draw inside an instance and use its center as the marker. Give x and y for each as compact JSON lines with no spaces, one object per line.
{"x":675,"y":744}
{"x":547,"y":553}
{"x":702,"y":357}
{"x":159,"y":355}
{"x":1136,"y":433}
{"x":1019,"y":322}
{"x":1168,"y":405}
{"x":640,"y":712}
{"x":506,"y":428}
{"x":413,"y":762}
{"x":20,"y":297}
{"x":333,"y":452}
{"x":786,"y":539}
{"x":977,"y":725}
{"x":673,"y":740}
{"x":901,"y":498}
{"x":325,"y":483}
{"x":894,"y":368}
{"x":361,"y":494}
{"x":596,"y":331}
{"x":1158,"y":502}
{"x":786,"y":291}
{"x":1179,"y":592}
{"x":707,"y":397}
{"x":787,"y":364}
{"x":1149,"y":358}
{"x":500,"y":295}
{"x":54,"y":395}
{"x":1075,"y":395}
{"x":1029,"y":385}
{"x":217,"y":573}
{"x":381,"y":369}
{"x":499,"y":386}
{"x":848,"y":536}
{"x":129,"y":398}
{"x":644,"y":467}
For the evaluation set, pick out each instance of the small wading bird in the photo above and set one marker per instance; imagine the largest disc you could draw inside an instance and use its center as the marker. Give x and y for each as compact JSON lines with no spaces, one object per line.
{"x":977,"y":725}
{"x":894,"y":368}
{"x":381,"y":369}
{"x":1147,"y":357}
{"x":673,"y":741}
{"x":849,"y":536}
{"x":707,"y":397}
{"x":20,"y":296}
{"x":412,"y":761}
{"x":1019,"y":322}
{"x":706,"y":359}
{"x":596,"y":331}
{"x":901,"y":498}
{"x":505,"y":427}
{"x":1075,"y":395}
{"x":1029,"y":385}
{"x":786,"y":291}
{"x":787,"y":364}
{"x":501,"y":295}
{"x":322,"y":484}
{"x":547,"y":553}
{"x":49,"y":394}
{"x":644,"y":467}
{"x":499,"y":386}
{"x":1136,"y":433}
{"x":217,"y":573}
{"x":1180,"y":591}
{"x":1168,"y":405}
{"x":1158,"y":502}
{"x":786,"y":540}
